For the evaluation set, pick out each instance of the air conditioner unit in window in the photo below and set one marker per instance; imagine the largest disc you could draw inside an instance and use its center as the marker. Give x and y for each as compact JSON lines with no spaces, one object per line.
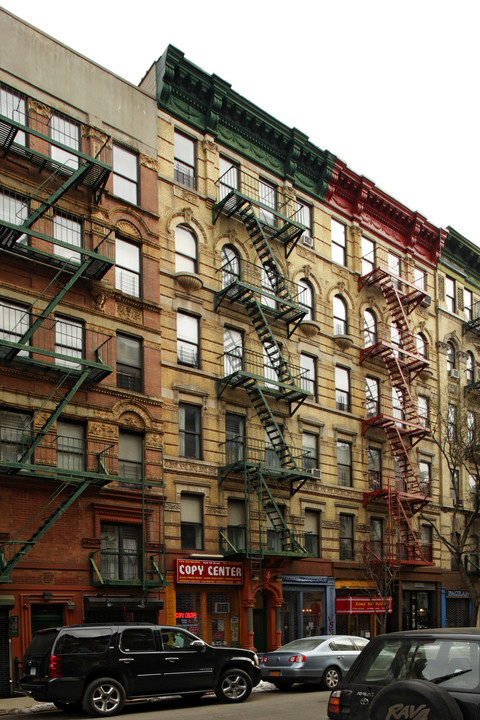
{"x":427,"y":301}
{"x":222,"y":607}
{"x":307,"y":240}
{"x":316,"y":472}
{"x":454,"y":373}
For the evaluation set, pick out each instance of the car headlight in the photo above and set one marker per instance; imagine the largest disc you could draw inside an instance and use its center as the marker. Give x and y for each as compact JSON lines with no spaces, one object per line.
{"x":256,"y":660}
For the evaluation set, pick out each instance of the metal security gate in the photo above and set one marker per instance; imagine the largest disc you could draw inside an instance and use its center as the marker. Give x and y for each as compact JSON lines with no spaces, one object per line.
{"x":5,"y":690}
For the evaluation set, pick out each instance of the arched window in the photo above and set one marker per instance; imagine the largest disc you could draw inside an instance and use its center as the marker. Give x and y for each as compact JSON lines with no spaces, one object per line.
{"x":470,"y":368}
{"x":369,"y":328}
{"x":305,"y":298}
{"x":230,"y":265}
{"x":339,"y":316}
{"x":185,"y":250}
{"x":422,"y":345}
{"x":451,"y":357}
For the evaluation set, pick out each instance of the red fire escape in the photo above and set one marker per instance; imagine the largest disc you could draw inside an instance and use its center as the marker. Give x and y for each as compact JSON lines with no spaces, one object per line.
{"x":395,"y":345}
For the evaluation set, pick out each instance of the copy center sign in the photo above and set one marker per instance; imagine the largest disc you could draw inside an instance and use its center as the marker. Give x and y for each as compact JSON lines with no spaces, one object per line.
{"x":209,"y":572}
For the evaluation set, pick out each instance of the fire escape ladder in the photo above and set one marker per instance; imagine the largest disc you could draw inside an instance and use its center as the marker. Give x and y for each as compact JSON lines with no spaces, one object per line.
{"x":55,"y":507}
{"x":410,"y":480}
{"x":408,"y":548}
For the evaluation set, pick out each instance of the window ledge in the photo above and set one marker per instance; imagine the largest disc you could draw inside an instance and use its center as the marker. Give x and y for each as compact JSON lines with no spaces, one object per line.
{"x":310,"y":328}
{"x":191,"y":282}
{"x":343,"y":341}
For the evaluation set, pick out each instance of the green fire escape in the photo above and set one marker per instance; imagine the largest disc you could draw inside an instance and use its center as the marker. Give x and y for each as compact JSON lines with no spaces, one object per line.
{"x":268,"y":378}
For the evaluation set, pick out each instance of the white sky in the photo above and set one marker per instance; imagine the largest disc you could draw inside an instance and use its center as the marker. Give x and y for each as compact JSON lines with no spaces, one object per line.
{"x":390,"y":86}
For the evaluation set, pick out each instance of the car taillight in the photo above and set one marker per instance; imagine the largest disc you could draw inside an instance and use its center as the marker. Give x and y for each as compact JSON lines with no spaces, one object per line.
{"x":297,"y":658}
{"x":334,"y":702}
{"x":264,"y":659}
{"x":55,"y":666}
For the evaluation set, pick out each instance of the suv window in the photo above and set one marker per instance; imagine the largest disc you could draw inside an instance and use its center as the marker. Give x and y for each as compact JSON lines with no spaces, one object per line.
{"x":42,"y":642}
{"x":176,"y":640}
{"x":75,"y":642}
{"x":137,"y":640}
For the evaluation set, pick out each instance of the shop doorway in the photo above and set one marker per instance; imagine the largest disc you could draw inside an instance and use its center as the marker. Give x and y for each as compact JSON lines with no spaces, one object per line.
{"x":260,"y":623}
{"x":44,"y":616}
{"x":4,"y":654}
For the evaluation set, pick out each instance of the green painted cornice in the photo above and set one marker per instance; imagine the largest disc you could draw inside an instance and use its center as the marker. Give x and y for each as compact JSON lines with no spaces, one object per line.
{"x":209,"y":105}
{"x":463,"y":254}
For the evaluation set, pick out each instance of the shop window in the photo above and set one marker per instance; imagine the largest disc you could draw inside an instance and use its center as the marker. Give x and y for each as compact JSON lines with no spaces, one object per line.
{"x":127,"y":267}
{"x":120,"y":552}
{"x":344,"y":463}
{"x":346,"y":537}
{"x":236,"y":531}
{"x":189,"y":431}
{"x":15,"y":434}
{"x":339,"y":242}
{"x":308,"y":377}
{"x":188,"y":613}
{"x":130,"y":456}
{"x":125,"y":174}
{"x":184,"y":150}
{"x":191,"y":521}
{"x":70,"y":446}
{"x":312,"y":532}
{"x":185,"y":250}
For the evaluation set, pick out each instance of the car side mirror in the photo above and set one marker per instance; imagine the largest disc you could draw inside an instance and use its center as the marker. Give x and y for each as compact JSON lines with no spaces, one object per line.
{"x":198,"y":645}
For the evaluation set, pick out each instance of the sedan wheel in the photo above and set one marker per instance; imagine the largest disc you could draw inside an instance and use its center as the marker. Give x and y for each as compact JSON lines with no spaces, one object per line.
{"x":234,"y":686}
{"x":104,"y":696}
{"x":331,"y":677}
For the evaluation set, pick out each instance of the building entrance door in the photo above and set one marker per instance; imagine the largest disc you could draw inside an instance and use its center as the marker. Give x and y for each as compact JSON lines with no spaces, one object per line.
{"x":260,"y":623}
{"x":46,"y":615}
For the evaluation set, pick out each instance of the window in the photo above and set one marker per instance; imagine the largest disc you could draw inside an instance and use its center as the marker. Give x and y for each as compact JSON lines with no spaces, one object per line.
{"x":137,"y":640}
{"x":398,"y":411}
{"x":15,"y":435}
{"x":470,"y":368}
{"x":274,"y":532}
{"x":470,"y":427}
{"x":272,"y":458}
{"x":267,"y":196}
{"x":230,"y":266}
{"x":452,"y":423}
{"x":396,"y":339}
{"x":228,"y":174}
{"x":339,"y":316}
{"x":346,"y":537}
{"x":308,"y":381}
{"x":269,"y":287}
{"x":369,"y":328}
{"x":312,"y":532}
{"x":304,"y":217}
{"x":339,"y":242}
{"x":374,"y":468}
{"x":394,"y":265}
{"x":129,"y":363}
{"x":185,"y":250}
{"x":422,"y":345}
{"x":68,"y":341}
{"x":271,"y":365}
{"x":70,"y":446}
{"x":372,"y":397}
{"x":14,"y":323}
{"x":191,"y":520}
{"x":187,"y":340}
{"x":67,"y":230}
{"x":344,"y":463}
{"x":184,"y":160}
{"x":376,"y":537}
{"x":305,"y":298}
{"x":450,"y":294}
{"x":420,"y":278}
{"x":130,"y":455}
{"x":127,"y":267}
{"x":189,"y":431}
{"x":451,"y":357}
{"x":467,"y":304}
{"x":14,"y":209}
{"x":426,"y":534}
{"x":368,"y":256}
{"x":13,"y":106}
{"x":425,"y":474}
{"x":310,"y":451}
{"x":67,"y":133}
{"x":342,"y":388}
{"x":233,"y":351}
{"x":125,"y":174}
{"x":120,"y":552}
{"x":423,"y":413}
{"x":236,"y":531}
{"x":234,"y":438}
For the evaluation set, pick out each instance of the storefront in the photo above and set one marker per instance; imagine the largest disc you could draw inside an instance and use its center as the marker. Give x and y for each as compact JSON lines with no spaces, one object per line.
{"x":419,"y":609}
{"x":359,"y":615}
{"x":308,"y":606}
{"x":456,"y":608}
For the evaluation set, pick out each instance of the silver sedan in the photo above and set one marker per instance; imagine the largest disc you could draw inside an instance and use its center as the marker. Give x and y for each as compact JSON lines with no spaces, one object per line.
{"x":320,"y":659}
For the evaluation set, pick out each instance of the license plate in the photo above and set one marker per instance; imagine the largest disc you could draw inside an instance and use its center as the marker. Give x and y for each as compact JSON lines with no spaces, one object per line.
{"x":33,"y":671}
{"x":275,"y":673}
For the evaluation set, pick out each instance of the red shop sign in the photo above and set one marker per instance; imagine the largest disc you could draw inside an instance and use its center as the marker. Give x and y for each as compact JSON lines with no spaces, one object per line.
{"x":209,"y":572}
{"x":362,"y":606}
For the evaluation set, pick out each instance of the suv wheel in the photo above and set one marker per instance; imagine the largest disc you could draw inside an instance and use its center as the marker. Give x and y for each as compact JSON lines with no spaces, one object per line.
{"x":330,"y":678}
{"x":234,"y":686}
{"x":104,"y":696}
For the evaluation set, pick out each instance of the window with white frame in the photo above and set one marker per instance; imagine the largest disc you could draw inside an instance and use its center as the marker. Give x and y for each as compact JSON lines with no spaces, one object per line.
{"x":451,"y":422}
{"x":467,"y":304}
{"x":470,"y":368}
{"x":306,"y":298}
{"x":184,"y":150}
{"x":230,"y":266}
{"x":269,"y":280}
{"x":15,"y":434}
{"x":234,"y":438}
{"x":191,"y":521}
{"x":308,"y":380}
{"x":13,"y":106}
{"x":346,"y":537}
{"x":425,"y":475}
{"x":267,"y":197}
{"x":129,"y":363}
{"x":339,"y":242}
{"x":14,"y":323}
{"x":67,"y":133}
{"x":127,"y":267}
{"x":369,"y":328}
{"x":426,"y":535}
{"x":185,"y":250}
{"x":272,"y":458}
{"x":232,"y":351}
{"x":188,"y":347}
{"x":422,"y":345}
{"x":451,"y":357}
{"x":304,"y":217}
{"x":120,"y":552}
{"x":368,"y":256}
{"x":422,"y":408}
{"x":398,"y":410}
{"x":271,"y":365}
{"x":450,"y":294}
{"x":14,"y":209}
{"x":372,"y":397}
{"x":125,"y":174}
{"x":310,"y":451}
{"x":274,"y":535}
{"x":68,"y":341}
{"x":340,"y":326}
{"x":344,"y":463}
{"x":228,"y":176}
{"x":342,"y":388}
{"x":70,"y":445}
{"x":189,"y":431}
{"x":237,"y":527}
{"x":470,"y":427}
{"x":130,"y":456}
{"x":68,"y":230}
{"x":420,"y":278}
{"x":312,"y":531}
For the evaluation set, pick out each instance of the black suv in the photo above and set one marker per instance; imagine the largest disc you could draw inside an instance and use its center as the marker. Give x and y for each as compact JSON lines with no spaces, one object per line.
{"x":98,"y":667}
{"x":422,"y":674}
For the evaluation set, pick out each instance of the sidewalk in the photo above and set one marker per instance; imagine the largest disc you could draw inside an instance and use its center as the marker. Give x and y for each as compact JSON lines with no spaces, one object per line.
{"x":23,"y":704}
